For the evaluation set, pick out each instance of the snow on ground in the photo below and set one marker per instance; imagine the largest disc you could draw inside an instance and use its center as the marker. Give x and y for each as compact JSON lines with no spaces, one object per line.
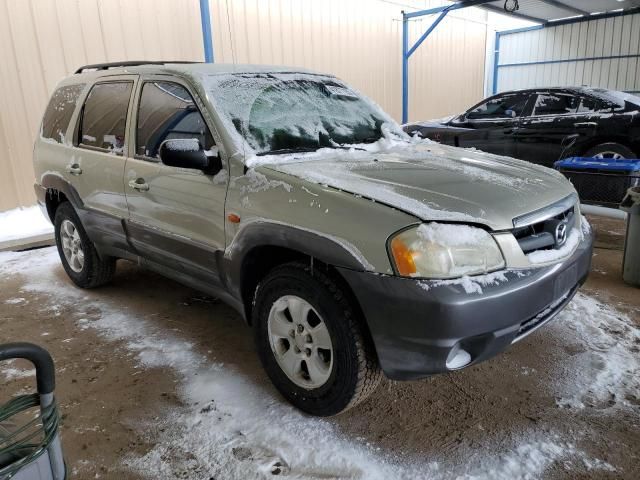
{"x":9,"y":372}
{"x":608,"y":359}
{"x":23,"y":222}
{"x":234,"y":429}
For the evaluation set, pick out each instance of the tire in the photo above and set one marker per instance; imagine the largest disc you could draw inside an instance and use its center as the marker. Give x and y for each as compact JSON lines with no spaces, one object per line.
{"x":610,"y":150}
{"x":90,"y":272}
{"x":351,"y":368}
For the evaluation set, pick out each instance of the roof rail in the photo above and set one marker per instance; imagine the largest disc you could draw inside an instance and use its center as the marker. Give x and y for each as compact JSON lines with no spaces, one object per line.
{"x":130,"y":63}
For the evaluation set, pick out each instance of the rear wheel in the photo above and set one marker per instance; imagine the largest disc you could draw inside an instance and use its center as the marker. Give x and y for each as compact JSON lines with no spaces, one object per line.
{"x":610,"y":150}
{"x":79,"y":256}
{"x":310,"y":342}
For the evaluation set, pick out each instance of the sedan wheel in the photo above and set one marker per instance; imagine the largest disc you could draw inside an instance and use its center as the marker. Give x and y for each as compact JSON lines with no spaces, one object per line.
{"x":609,"y":155}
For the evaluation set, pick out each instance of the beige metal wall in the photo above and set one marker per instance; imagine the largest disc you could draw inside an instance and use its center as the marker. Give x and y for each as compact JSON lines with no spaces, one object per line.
{"x":42,"y":41}
{"x":360,"y":42}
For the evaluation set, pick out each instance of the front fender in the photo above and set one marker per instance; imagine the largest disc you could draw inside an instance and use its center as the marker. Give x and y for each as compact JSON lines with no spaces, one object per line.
{"x":261,"y":233}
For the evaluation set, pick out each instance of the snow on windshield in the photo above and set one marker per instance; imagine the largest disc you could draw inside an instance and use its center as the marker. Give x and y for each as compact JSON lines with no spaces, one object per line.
{"x":293,"y":111}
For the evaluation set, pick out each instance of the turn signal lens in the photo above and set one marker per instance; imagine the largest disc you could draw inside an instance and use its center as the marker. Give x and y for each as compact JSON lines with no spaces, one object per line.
{"x":403,"y":258}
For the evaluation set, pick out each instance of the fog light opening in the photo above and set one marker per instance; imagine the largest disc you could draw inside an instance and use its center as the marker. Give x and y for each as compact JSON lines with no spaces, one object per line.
{"x":458,"y":358}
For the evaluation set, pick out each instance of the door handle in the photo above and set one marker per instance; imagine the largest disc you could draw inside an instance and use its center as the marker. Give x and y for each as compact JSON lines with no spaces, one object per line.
{"x":139,"y":184}
{"x":585,"y":125}
{"x":74,"y":169}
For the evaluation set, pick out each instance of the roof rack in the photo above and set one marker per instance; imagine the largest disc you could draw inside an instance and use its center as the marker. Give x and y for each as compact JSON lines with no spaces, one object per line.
{"x":131,"y":63}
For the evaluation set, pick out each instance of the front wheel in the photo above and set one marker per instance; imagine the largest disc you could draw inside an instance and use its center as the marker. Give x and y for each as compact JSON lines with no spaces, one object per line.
{"x":310,"y":342}
{"x":79,"y":256}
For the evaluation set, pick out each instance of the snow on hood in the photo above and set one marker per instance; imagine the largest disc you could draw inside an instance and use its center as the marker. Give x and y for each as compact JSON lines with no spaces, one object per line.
{"x":429,"y":180}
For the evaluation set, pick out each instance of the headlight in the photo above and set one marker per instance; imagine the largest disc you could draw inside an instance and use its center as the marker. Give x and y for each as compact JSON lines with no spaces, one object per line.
{"x":439,"y":250}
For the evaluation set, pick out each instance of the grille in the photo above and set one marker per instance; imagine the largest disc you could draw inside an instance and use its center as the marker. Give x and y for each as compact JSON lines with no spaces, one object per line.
{"x":541,"y":235}
{"x":600,"y":188}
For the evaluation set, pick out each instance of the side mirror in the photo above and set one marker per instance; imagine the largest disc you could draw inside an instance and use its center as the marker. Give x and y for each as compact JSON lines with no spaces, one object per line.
{"x":511,"y":113}
{"x":188,"y":153}
{"x":460,"y":118}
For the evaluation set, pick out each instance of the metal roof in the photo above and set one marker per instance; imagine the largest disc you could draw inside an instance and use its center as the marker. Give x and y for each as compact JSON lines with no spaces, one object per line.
{"x":543,"y":11}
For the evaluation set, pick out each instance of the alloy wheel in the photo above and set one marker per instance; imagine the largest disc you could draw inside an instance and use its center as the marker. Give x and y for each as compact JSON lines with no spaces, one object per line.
{"x":300,"y":342}
{"x":72,"y":245}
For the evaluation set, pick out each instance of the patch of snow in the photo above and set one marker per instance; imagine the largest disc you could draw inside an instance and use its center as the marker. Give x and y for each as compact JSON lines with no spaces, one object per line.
{"x":183,"y":144}
{"x":452,"y":235}
{"x":11,"y":373}
{"x":23,"y":223}
{"x":387,"y":194}
{"x":551,"y":255}
{"x":258,"y":182}
{"x":530,"y":460}
{"x":15,"y":301}
{"x":232,"y":428}
{"x":470,"y":284}
{"x":606,"y":370}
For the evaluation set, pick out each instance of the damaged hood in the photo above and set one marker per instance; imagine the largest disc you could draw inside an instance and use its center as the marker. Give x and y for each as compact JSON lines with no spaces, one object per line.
{"x":436,"y":182}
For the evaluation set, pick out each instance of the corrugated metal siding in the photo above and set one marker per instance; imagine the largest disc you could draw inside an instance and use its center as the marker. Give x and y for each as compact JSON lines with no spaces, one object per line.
{"x":617,"y":36}
{"x":357,"y":40}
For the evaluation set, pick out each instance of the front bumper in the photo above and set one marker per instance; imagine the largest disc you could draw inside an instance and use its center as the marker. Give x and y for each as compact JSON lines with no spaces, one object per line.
{"x":417,"y":325}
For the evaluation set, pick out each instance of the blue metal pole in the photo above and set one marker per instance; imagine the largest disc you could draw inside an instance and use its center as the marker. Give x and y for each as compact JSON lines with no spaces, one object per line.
{"x":496,"y":60}
{"x":405,"y":68}
{"x":207,"y":38}
{"x":428,"y":32}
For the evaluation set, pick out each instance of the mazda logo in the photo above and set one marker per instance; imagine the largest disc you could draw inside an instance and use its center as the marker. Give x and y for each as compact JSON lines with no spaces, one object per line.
{"x":561,"y":234}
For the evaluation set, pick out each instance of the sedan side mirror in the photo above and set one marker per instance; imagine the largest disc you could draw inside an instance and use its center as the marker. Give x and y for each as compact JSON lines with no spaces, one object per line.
{"x":188,"y":153}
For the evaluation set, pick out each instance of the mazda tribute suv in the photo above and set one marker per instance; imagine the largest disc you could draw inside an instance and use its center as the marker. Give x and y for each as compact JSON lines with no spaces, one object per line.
{"x":350,"y":248}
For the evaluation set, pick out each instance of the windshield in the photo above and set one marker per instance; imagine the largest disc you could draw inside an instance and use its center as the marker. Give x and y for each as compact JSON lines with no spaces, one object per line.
{"x":284,"y":112}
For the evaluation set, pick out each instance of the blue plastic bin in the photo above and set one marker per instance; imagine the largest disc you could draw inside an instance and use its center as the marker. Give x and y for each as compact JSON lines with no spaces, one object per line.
{"x":601,"y":181}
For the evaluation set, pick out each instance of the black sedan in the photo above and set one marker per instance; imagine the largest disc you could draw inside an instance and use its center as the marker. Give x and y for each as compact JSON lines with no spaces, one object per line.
{"x":546,"y":124}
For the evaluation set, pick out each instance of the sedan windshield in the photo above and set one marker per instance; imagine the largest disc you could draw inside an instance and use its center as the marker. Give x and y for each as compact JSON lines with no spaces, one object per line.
{"x":290,"y":112}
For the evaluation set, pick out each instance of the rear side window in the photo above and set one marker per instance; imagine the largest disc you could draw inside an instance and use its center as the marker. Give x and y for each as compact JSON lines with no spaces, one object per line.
{"x":556,"y":104}
{"x":59,"y":111}
{"x":104,"y":116}
{"x":506,"y":106}
{"x":166,"y":112}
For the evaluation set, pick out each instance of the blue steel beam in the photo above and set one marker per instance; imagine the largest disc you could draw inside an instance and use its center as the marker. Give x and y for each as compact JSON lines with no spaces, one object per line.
{"x":407,"y":52}
{"x":207,"y":38}
{"x":454,"y":6}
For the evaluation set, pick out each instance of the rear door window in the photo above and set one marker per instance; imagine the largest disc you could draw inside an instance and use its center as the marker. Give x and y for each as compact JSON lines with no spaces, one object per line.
{"x":505,"y":106}
{"x":556,"y":104}
{"x":167,"y":111}
{"x":59,"y":111}
{"x":104,"y":116}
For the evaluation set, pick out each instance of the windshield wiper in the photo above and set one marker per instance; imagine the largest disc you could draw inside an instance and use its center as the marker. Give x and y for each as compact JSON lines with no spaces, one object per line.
{"x":281,"y":151}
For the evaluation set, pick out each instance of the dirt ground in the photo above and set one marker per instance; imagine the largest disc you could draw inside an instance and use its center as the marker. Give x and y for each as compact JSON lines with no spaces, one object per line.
{"x":115,"y":407}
